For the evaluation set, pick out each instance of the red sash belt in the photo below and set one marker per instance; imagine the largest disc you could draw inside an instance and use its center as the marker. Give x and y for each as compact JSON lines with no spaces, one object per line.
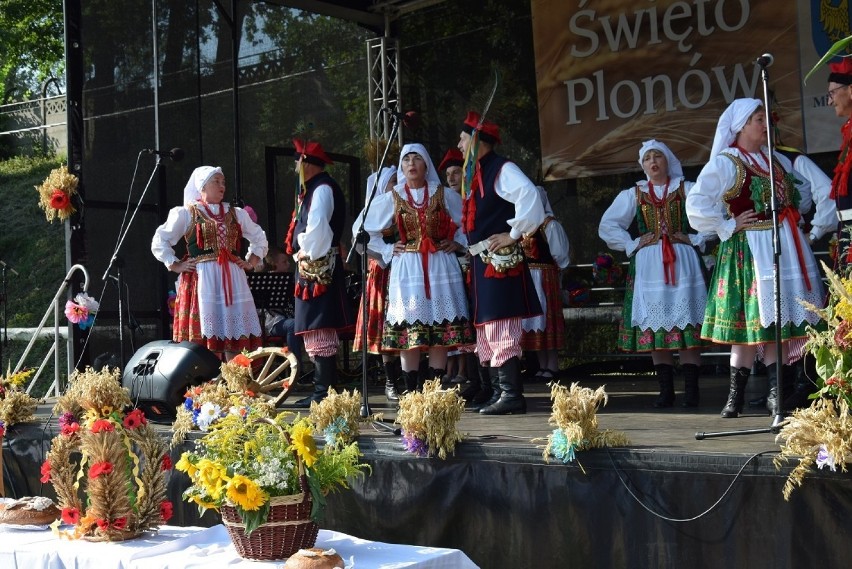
{"x":792,"y":216}
{"x":426,"y":246}
{"x":669,"y":258}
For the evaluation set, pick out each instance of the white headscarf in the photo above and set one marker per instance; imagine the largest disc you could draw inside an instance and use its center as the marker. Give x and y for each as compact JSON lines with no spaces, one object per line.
{"x":732,"y":122}
{"x":675,"y":170}
{"x":199,"y":177}
{"x":384,"y":177}
{"x":431,"y":173}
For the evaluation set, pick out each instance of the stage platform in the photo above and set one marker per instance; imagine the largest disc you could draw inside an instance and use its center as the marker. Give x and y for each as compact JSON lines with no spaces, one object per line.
{"x":666,"y":500}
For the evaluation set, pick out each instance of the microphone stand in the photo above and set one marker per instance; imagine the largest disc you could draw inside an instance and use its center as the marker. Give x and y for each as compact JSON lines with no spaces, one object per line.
{"x":361,"y":240}
{"x":115,"y":261}
{"x":778,"y":420}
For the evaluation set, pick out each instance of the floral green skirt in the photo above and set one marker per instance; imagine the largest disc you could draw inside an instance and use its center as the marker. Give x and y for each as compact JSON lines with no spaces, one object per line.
{"x":733,"y":309}
{"x":634,"y":339}
{"x":405,"y":336}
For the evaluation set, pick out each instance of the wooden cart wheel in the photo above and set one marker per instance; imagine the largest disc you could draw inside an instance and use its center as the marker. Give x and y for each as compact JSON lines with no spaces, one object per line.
{"x":274,"y":369}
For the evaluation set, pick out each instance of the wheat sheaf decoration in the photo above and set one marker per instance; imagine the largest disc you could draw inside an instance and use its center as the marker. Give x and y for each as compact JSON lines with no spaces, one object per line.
{"x":56,"y":193}
{"x":113,"y":456}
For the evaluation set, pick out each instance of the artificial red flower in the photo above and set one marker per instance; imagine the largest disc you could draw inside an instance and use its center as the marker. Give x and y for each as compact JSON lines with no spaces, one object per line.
{"x":2,"y":429}
{"x":102,"y":524}
{"x":59,"y":199}
{"x":45,"y":471}
{"x":242,"y":360}
{"x":134,"y":419}
{"x":120,"y":523}
{"x":167,"y":462}
{"x":71,"y":516}
{"x":100,"y":468}
{"x":166,"y":510}
{"x":102,"y":425}
{"x":70,"y":429}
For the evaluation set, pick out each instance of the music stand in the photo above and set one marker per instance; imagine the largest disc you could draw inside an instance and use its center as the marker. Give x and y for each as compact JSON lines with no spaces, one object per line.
{"x":273,"y":291}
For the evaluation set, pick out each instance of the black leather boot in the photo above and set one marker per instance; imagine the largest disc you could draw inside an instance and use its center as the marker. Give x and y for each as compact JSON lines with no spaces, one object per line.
{"x":435,"y":373}
{"x":690,"y":385}
{"x":772,"y":395}
{"x":512,"y":391}
{"x":472,"y":387}
{"x":410,"y":380}
{"x":391,"y":375}
{"x":325,"y":372}
{"x":736,"y":395}
{"x":490,"y":387}
{"x":798,"y":397}
{"x":665,"y":374}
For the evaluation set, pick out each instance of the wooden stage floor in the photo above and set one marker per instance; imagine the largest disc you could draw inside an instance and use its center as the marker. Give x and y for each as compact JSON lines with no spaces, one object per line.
{"x":629,"y":409}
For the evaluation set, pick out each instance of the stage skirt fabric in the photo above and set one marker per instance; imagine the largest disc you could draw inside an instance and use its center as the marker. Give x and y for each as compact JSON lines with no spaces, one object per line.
{"x":412,"y":320}
{"x":201,"y":315}
{"x":377,"y":286}
{"x":667,"y":319}
{"x":546,"y":331}
{"x":740,"y":303}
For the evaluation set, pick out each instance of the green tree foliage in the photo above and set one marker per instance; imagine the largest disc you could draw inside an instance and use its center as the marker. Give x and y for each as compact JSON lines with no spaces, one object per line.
{"x":31,"y":46}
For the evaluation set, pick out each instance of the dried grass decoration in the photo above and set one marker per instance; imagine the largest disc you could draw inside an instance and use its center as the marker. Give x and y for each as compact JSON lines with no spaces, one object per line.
{"x":205,"y":404}
{"x":56,"y":194}
{"x":337,"y":416}
{"x":429,"y":420}
{"x":819,"y":435}
{"x":574,"y":415}
{"x":16,"y":406}
{"x":122,"y":462}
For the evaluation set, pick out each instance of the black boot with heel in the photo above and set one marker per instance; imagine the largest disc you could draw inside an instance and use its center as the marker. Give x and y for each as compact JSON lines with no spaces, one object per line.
{"x":736,"y":395}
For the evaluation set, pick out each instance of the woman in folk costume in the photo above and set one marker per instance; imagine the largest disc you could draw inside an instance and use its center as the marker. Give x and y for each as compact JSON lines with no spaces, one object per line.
{"x":546,"y":251}
{"x":732,"y":198}
{"x":426,"y":303}
{"x":666,"y":293}
{"x":214,"y":305}
{"x":322,"y":306}
{"x":377,"y":287}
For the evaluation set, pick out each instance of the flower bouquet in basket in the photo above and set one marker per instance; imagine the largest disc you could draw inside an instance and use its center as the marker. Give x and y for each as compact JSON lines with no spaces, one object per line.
{"x":207,"y":403}
{"x":120,"y":461}
{"x":268,"y":479}
{"x":821,"y":434}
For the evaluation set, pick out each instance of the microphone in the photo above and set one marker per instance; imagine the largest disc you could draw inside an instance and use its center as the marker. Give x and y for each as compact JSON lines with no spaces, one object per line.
{"x":765,"y":60}
{"x":175,"y":154}
{"x":410,"y":119}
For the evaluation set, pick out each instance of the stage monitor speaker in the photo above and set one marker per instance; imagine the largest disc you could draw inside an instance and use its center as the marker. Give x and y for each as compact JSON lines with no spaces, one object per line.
{"x":159,"y":373}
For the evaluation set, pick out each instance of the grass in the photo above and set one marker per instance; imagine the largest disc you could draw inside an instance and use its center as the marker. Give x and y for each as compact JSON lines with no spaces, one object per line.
{"x":35,"y":250}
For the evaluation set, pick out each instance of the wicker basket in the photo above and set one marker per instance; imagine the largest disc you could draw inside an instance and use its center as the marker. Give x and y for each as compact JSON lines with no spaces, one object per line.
{"x":287,"y":529}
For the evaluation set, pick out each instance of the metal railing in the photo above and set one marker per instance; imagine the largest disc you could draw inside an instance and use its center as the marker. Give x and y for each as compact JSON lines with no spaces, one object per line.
{"x":55,"y":387}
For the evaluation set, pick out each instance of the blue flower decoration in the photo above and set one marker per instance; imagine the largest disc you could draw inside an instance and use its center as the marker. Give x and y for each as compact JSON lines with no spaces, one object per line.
{"x":561,"y":447}
{"x":87,"y":323}
{"x":187,"y":404}
{"x":334,"y":430}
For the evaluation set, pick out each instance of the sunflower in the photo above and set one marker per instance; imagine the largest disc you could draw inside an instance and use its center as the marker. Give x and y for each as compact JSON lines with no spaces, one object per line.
{"x":243,"y":492}
{"x":212,"y":476}
{"x":184,"y":465}
{"x":302,"y":441}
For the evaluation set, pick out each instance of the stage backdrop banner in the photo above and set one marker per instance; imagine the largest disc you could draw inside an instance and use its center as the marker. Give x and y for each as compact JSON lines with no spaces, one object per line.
{"x":613,"y":73}
{"x":821,"y":23}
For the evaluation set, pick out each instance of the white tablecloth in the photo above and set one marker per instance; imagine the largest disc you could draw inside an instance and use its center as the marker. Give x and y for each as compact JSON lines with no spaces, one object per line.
{"x":186,"y":548}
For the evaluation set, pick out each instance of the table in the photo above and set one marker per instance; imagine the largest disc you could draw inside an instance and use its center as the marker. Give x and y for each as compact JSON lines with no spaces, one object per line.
{"x":193,"y":547}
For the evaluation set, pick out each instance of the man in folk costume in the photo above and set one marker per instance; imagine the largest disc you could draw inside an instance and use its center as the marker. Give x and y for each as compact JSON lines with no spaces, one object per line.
{"x":322,"y":308}
{"x":501,"y":205}
{"x":451,"y":166}
{"x":840,"y":97}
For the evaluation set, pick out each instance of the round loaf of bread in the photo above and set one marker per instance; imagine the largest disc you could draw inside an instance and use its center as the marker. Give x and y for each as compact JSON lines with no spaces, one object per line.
{"x":29,"y":511}
{"x":315,"y":558}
